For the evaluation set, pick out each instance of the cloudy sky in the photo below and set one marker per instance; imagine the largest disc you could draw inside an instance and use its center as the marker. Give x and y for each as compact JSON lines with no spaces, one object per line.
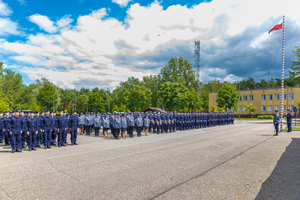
{"x":93,"y":43}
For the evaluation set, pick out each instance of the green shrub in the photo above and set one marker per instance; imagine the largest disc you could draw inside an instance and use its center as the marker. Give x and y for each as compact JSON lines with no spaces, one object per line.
{"x":265,"y":117}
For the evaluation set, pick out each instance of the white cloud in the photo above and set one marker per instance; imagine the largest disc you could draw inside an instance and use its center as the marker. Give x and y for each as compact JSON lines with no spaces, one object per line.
{"x":64,"y":22}
{"x":122,"y":3}
{"x":43,"y":22}
{"x":7,"y":27}
{"x":90,"y":51}
{"x":22,"y":2}
{"x":4,"y":9}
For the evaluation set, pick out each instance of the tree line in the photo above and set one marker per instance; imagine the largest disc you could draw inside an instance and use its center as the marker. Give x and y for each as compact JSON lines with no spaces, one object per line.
{"x":174,"y":88}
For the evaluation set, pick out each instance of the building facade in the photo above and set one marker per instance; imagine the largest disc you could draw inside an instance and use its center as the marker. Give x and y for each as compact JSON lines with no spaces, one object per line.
{"x":265,"y":100}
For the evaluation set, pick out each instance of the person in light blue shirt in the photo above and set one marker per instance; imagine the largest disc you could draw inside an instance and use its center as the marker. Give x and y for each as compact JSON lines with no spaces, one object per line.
{"x":81,"y":122}
{"x":139,"y":124}
{"x":97,"y":124}
{"x":117,"y":126}
{"x":106,"y":125}
{"x":124,"y":125}
{"x":146,"y":124}
{"x":276,"y":122}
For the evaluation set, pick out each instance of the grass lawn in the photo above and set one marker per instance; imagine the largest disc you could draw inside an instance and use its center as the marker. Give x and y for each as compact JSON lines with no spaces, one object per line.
{"x":293,"y":128}
{"x":250,"y":119}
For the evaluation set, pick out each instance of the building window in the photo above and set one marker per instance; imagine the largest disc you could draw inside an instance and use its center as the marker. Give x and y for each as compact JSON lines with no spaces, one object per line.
{"x":276,"y":108}
{"x":244,"y":98}
{"x":270,"y":97}
{"x":240,"y":98}
{"x":263,"y":97}
{"x":290,"y":107}
{"x":251,"y":98}
{"x":269,"y":108}
{"x":291,"y":96}
{"x":239,"y":108}
{"x":284,"y":97}
{"x":263,"y":108}
{"x":284,"y":107}
{"x":244,"y":108}
{"x":276,"y":96}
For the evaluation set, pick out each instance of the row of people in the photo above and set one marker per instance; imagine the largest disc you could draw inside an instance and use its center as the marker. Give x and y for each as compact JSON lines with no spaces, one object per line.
{"x":18,"y":128}
{"x":159,"y":122}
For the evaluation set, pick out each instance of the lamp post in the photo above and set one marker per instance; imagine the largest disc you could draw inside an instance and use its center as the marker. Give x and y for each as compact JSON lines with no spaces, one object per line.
{"x":53,"y":102}
{"x":108,"y":100}
{"x":239,"y":100}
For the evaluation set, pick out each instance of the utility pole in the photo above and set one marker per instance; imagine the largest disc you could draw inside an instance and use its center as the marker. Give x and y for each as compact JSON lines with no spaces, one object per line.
{"x":53,"y":102}
{"x":239,"y":100}
{"x":197,"y":63}
{"x":108,"y":100}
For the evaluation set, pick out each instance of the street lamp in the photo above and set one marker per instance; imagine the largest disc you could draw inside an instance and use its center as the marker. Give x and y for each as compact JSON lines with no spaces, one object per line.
{"x":108,"y":100}
{"x":239,"y":100}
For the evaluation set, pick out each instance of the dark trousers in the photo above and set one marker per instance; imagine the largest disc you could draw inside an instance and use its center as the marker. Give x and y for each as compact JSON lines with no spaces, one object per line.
{"x":130,"y":131}
{"x":1,"y":135}
{"x":31,"y":138}
{"x":289,"y":125}
{"x":276,"y":128}
{"x":16,"y":139}
{"x":158,"y":129}
{"x":23,"y":138}
{"x":47,"y":136}
{"x":7,"y":137}
{"x":60,"y":136}
{"x":38,"y":138}
{"x":154,"y":128}
{"x":74,"y":134}
{"x":139,"y":130}
{"x":53,"y":136}
{"x":150,"y":127}
{"x":88,"y":129}
{"x":97,"y":131}
{"x":116,"y":132}
{"x":64,"y":136}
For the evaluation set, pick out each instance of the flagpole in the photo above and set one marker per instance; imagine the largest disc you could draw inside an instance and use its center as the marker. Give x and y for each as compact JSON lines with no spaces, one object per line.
{"x":282,"y":76}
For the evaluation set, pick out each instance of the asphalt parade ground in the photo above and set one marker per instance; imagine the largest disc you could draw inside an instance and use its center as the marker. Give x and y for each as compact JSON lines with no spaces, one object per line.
{"x":240,"y":161}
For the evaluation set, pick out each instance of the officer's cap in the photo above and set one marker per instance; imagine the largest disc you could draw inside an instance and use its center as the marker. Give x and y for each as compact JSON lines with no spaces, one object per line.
{"x":42,"y":112}
{"x":36,"y":112}
{"x":6,"y":112}
{"x":276,"y":110}
{"x":47,"y":111}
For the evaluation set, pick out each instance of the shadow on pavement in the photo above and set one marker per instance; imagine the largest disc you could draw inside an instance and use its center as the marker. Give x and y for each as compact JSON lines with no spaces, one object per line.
{"x":284,"y":182}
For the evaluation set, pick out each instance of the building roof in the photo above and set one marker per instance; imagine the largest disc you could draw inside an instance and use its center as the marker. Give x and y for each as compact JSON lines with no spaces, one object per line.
{"x":153,"y":109}
{"x":263,"y":88}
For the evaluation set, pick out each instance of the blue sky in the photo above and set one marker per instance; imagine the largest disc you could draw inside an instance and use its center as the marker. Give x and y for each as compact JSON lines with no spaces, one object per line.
{"x":92,"y":43}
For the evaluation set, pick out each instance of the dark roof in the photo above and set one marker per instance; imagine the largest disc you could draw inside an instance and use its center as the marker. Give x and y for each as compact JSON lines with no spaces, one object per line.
{"x":153,"y":109}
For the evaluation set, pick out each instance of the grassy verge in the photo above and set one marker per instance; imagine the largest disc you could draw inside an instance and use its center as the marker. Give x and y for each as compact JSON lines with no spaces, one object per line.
{"x":293,"y":128}
{"x":250,"y":119}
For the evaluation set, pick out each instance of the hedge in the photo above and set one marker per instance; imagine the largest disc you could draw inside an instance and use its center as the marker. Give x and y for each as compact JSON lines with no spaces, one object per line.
{"x":265,"y":117}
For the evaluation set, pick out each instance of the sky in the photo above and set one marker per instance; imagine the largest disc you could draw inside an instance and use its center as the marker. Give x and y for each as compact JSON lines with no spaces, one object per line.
{"x":93,"y":43}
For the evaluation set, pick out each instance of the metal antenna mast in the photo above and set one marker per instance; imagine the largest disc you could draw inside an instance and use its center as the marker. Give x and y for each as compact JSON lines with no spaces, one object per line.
{"x":197,"y":63}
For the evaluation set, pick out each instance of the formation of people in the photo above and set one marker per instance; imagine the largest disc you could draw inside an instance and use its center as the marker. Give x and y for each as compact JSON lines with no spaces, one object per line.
{"x":45,"y":129}
{"x":120,"y":123}
{"x":36,"y":129}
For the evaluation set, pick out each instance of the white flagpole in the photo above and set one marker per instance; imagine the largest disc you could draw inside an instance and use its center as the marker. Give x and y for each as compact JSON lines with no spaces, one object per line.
{"x":282,"y":76}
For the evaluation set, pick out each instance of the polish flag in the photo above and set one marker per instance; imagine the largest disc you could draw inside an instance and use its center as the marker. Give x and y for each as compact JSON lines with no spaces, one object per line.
{"x":277,"y":26}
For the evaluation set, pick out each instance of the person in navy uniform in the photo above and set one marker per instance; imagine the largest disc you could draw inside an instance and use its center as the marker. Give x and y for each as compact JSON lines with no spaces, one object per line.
{"x":97,"y":124}
{"x":124,"y":125}
{"x":61,"y":124}
{"x":153,"y":121}
{"x":31,"y":127}
{"x":47,"y":127}
{"x":117,"y":126}
{"x":39,"y":129}
{"x":16,"y":126}
{"x":73,"y":125}
{"x":54,"y":131}
{"x":289,"y":118}
{"x":7,"y":136}
{"x":2,"y":130}
{"x":158,"y":123}
{"x":276,"y":122}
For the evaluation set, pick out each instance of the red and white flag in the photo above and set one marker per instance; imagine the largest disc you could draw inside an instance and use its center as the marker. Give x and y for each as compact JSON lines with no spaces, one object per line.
{"x":277,"y":26}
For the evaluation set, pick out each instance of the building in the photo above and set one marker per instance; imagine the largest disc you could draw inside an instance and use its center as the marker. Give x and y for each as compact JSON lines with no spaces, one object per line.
{"x":266,"y":100}
{"x":153,"y":109}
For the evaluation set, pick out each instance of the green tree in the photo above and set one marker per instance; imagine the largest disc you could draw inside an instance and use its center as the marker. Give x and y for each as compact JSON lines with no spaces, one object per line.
{"x":138,"y":98}
{"x":152,"y":82}
{"x":227,"y":96}
{"x":45,"y":96}
{"x":294,"y":71}
{"x":251,"y":108}
{"x":178,"y":70}
{"x":82,"y":103}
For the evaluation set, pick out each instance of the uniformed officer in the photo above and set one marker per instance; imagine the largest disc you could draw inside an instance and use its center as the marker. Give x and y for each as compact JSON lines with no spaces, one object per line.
{"x":289,"y":118}
{"x":73,"y":125}
{"x":7,"y":139}
{"x":106,"y":125}
{"x":15,"y":126}
{"x":88,"y":124}
{"x":47,"y":126}
{"x":117,"y":126}
{"x":146,"y":124}
{"x":31,"y":127}
{"x":124,"y":125}
{"x":97,"y":124}
{"x":131,"y":124}
{"x":81,"y":121}
{"x":54,"y":130}
{"x":2,"y":130}
{"x":158,"y":123}
{"x":139,"y":124}
{"x":276,"y":122}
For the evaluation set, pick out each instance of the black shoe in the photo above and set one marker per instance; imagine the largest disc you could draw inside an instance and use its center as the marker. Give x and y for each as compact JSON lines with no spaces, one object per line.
{"x":5,"y":144}
{"x":23,"y":147}
{"x":1,"y":141}
{"x":75,"y":143}
{"x":38,"y":145}
{"x":13,"y":151}
{"x":49,"y":147}
{"x":45,"y":147}
{"x":33,"y":149}
{"x":71,"y":144}
{"x":275,"y":135}
{"x":18,"y":150}
{"x":29,"y":149}
{"x":63,"y":145}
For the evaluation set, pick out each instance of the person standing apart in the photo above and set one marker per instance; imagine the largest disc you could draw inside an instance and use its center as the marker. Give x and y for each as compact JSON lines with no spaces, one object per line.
{"x":73,"y":125}
{"x":289,"y":118}
{"x":276,"y":122}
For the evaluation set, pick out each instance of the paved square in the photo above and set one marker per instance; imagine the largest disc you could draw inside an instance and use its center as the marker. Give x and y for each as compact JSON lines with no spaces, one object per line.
{"x":223,"y":162}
